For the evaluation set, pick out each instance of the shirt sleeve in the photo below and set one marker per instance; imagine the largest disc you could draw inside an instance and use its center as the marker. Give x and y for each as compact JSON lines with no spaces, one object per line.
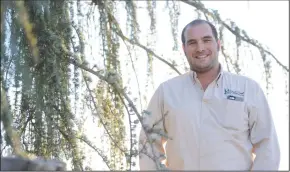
{"x":263,"y":134}
{"x":153,"y":120}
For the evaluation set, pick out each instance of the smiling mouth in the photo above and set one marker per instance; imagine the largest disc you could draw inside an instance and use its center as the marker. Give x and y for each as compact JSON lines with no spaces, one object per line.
{"x":201,"y":57}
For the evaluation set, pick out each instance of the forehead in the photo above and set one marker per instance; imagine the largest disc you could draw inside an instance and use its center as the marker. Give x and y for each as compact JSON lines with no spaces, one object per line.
{"x":198,"y":31}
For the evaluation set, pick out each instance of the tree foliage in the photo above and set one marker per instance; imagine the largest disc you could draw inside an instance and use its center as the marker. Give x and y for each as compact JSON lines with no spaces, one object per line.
{"x":49,"y":81}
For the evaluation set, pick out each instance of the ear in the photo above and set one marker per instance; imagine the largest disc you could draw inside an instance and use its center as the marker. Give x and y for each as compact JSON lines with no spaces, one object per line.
{"x":183,"y":47}
{"x":219,"y":45}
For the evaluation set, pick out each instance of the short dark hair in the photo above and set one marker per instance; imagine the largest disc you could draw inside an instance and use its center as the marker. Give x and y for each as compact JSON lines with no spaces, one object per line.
{"x":196,"y":22}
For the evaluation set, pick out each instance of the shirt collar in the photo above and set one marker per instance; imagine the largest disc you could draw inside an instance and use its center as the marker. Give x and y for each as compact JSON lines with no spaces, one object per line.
{"x":194,"y":78}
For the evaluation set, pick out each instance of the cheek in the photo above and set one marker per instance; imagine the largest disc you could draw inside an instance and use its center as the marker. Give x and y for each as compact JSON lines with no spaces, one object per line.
{"x":214,"y":48}
{"x":189,"y":51}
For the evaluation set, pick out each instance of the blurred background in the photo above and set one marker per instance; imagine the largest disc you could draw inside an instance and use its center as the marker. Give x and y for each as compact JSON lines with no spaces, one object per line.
{"x":75,"y":75}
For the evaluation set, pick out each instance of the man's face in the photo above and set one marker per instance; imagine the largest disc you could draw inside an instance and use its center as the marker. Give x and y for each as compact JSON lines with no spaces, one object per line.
{"x":200,"y":48}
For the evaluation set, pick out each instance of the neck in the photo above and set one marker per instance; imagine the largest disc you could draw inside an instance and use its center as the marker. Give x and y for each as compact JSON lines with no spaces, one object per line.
{"x":207,"y":77}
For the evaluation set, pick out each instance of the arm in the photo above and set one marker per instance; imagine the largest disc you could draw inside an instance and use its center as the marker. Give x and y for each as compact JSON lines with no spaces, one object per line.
{"x":263,"y":134}
{"x":153,"y":121}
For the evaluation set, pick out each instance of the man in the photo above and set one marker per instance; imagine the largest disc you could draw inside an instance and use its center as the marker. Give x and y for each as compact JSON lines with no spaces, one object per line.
{"x":214,"y":120}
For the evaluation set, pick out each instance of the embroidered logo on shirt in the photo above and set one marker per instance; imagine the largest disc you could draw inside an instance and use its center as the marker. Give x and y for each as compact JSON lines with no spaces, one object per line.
{"x":234,"y":95}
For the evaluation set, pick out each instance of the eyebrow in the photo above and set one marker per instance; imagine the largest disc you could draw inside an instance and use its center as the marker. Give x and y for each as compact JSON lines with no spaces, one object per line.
{"x":205,"y":37}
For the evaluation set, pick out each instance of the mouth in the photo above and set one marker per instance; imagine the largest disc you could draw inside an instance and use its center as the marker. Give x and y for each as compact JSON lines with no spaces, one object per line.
{"x":201,"y":56}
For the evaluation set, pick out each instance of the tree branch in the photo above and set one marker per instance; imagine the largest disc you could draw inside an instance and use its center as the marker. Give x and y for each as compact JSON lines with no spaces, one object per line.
{"x":120,"y":33}
{"x":102,"y":122}
{"x":121,"y":91}
{"x":105,"y":159}
{"x":245,"y":38}
{"x":130,"y":124}
{"x":82,"y":138}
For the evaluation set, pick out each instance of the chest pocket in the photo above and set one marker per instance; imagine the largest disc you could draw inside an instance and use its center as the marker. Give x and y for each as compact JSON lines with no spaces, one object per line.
{"x":235,"y":117}
{"x":230,"y":114}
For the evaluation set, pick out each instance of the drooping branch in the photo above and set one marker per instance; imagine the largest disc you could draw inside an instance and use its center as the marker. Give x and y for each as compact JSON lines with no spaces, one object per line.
{"x":85,"y":78}
{"x":129,"y":158}
{"x":222,"y":49}
{"x":110,"y":78}
{"x":150,"y":52}
{"x":119,"y":32}
{"x":174,"y":12}
{"x":24,"y":20}
{"x":151,"y":43}
{"x":11,"y":135}
{"x":100,"y":152}
{"x":84,"y":139}
{"x":58,"y":94}
{"x":111,"y":62}
{"x":135,"y":72}
{"x":67,"y":118}
{"x":132,"y":19}
{"x":242,"y":34}
{"x":115,"y":142}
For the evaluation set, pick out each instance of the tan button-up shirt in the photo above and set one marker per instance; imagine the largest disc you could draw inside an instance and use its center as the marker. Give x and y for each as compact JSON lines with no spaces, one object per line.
{"x":215,"y":129}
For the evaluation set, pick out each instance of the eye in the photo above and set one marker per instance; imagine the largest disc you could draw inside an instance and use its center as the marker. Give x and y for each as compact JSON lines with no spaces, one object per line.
{"x":207,"y":40}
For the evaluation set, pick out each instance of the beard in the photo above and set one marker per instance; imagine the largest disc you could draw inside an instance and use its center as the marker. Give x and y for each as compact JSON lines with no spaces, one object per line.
{"x":203,"y":68}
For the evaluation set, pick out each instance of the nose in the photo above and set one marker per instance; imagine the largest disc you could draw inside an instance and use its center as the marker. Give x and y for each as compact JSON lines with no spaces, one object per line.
{"x":200,"y":47}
